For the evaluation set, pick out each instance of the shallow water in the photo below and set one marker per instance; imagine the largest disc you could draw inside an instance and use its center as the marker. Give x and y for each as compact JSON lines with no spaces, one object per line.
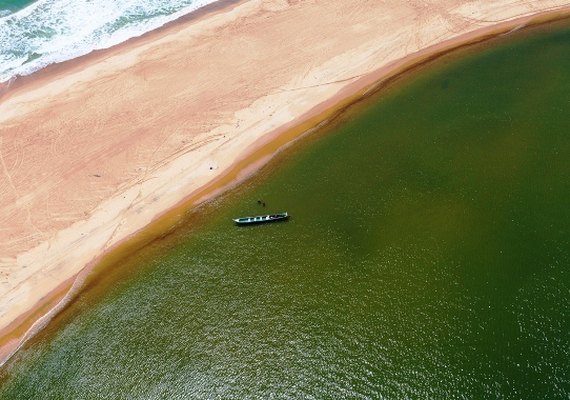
{"x":427,"y":257}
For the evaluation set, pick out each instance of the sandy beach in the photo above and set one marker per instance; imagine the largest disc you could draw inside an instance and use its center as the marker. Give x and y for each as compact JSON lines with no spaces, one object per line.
{"x":94,"y":150}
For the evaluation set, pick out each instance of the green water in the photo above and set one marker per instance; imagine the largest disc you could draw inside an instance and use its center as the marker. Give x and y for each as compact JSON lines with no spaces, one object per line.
{"x":10,"y":6}
{"x":427,"y":257}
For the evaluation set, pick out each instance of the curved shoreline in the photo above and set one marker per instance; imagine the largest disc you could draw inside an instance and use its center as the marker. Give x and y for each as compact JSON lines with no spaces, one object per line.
{"x":254,"y":156}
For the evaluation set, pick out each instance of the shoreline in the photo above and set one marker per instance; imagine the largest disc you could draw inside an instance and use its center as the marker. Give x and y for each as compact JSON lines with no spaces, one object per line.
{"x":51,"y":71}
{"x":249,"y":159}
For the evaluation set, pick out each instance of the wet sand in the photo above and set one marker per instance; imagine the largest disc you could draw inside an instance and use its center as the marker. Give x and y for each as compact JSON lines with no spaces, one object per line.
{"x":96,"y":149}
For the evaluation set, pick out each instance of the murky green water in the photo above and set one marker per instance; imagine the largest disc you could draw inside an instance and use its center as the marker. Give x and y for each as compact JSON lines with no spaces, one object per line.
{"x":427,"y":257}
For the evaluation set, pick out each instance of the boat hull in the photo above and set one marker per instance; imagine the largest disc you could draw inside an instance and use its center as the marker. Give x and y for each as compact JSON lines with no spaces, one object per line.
{"x":261,"y":219}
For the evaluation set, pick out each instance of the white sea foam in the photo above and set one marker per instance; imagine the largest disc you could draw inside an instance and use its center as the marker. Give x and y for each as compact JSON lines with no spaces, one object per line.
{"x":51,"y":31}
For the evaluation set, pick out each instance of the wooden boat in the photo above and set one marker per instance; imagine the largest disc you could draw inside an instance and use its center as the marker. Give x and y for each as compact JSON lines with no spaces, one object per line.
{"x":261,"y":218}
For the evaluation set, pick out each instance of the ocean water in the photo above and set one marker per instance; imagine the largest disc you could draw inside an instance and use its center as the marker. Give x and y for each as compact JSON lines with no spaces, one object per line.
{"x":427,"y":257}
{"x":36,"y":34}
{"x":8,"y":7}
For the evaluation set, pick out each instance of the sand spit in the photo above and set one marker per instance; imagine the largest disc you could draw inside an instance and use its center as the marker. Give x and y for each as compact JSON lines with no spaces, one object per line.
{"x":94,"y":150}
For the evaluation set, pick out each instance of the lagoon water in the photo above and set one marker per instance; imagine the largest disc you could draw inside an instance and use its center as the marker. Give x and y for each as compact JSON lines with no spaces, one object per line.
{"x":427,"y":256}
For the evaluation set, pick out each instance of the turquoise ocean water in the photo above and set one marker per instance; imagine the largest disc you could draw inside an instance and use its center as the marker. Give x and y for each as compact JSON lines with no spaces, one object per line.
{"x":8,"y":7}
{"x":427,"y":257}
{"x":34,"y":34}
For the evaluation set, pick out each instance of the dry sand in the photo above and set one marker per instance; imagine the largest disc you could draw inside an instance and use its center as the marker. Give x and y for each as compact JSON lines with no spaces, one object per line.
{"x":93,"y":150}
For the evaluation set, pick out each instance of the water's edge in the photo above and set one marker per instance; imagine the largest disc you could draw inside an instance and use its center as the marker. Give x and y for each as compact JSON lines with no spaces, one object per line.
{"x":9,"y":86}
{"x":23,"y":329}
